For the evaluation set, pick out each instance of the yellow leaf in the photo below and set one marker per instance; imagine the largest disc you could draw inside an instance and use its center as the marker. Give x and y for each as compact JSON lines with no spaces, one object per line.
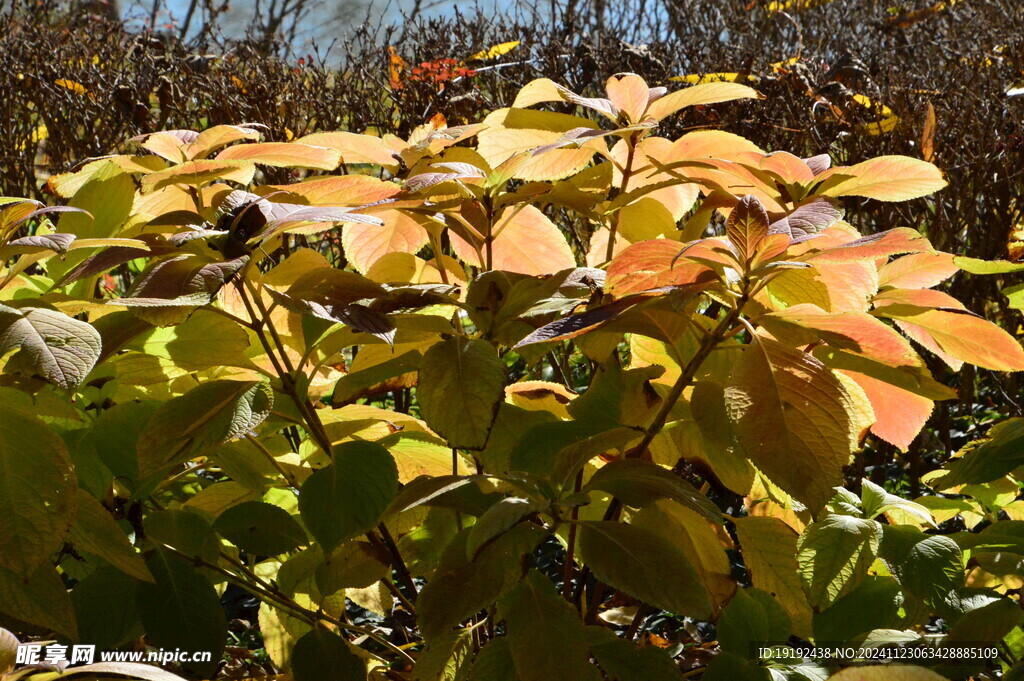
{"x":698,"y":78}
{"x":702,"y":94}
{"x":886,"y":123}
{"x":77,"y":88}
{"x":494,"y":51}
{"x":214,"y":138}
{"x":517,"y":131}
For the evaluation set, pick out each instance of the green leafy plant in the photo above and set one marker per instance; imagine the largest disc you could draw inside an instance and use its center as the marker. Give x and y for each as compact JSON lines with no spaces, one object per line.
{"x":437,"y":437}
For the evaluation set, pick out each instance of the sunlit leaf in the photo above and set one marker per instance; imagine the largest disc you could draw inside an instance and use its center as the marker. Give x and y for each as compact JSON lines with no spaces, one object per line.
{"x":792,"y":418}
{"x":885,"y":178}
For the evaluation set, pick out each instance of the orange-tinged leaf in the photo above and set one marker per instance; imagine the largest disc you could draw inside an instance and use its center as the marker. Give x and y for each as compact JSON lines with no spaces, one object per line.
{"x":839,"y":287}
{"x":880,"y":245}
{"x":928,"y":134}
{"x":596,"y":255}
{"x":527,"y":242}
{"x":284,"y":155}
{"x":705,"y":93}
{"x":711,"y":144}
{"x":856,"y":332}
{"x":899,"y":414}
{"x":792,"y":418}
{"x":630,"y":94}
{"x":917,"y":298}
{"x":747,"y":226}
{"x":790,"y":169}
{"x":958,"y":336}
{"x":365,"y":244}
{"x":649,"y":265}
{"x":196,"y":173}
{"x":731,"y":178}
{"x":678,"y":199}
{"x":918,"y":270}
{"x":166,"y":145}
{"x":218,"y":136}
{"x":337,"y":190}
{"x":885,"y":178}
{"x":355,"y":148}
{"x":396,"y":69}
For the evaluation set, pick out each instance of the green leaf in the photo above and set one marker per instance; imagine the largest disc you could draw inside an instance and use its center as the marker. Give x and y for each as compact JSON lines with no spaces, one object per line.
{"x":985,"y":460}
{"x":498,"y":519}
{"x":8,"y":651}
{"x":51,"y":344}
{"x":460,"y":588}
{"x":1014,"y":296}
{"x":792,"y":418}
{"x":617,"y":397}
{"x":461,"y":384}
{"x":105,"y":608}
{"x":95,"y":530}
{"x":545,"y":633}
{"x":769,"y":549}
{"x":114,"y":436}
{"x":206,"y":339}
{"x":539,"y":446}
{"x":751,"y":620}
{"x":356,"y":384}
{"x":732,"y":667}
{"x":354,"y":564}
{"x":185,"y":531}
{"x":322,"y":655}
{"x":990,"y":622}
{"x":107,"y":194}
{"x":209,"y":414}
{"x":977,"y":266}
{"x":443,"y":659}
{"x":260,"y":528}
{"x":37,"y":492}
{"x":876,"y":501}
{"x":874,"y":604}
{"x":644,"y":565}
{"x":834,"y":556}
{"x":40,"y":598}
{"x":348,"y":497}
{"x":494,"y":663}
{"x":509,"y":428}
{"x":928,"y":567}
{"x":182,"y":610}
{"x":639,"y":483}
{"x":621,"y":660}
